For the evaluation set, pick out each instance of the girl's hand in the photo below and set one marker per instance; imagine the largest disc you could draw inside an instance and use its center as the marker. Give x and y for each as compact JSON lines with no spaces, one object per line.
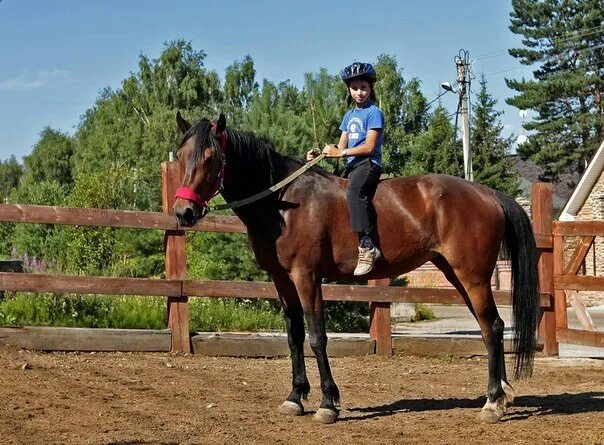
{"x":332,"y":151}
{"x":312,"y":153}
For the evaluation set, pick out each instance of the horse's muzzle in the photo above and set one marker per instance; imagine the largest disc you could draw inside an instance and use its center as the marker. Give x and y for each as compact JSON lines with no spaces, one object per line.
{"x":187,"y":214}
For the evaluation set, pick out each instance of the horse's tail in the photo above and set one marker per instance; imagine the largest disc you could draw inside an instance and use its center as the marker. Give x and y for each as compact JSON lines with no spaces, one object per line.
{"x":519,"y":241}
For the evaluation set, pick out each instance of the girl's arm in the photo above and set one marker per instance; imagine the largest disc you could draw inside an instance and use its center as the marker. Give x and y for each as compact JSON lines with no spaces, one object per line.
{"x":362,"y":150}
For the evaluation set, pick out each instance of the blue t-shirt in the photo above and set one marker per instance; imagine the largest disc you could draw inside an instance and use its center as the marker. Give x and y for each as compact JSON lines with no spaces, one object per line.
{"x":356,"y":123}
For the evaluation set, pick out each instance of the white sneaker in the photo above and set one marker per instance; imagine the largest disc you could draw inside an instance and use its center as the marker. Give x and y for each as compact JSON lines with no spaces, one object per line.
{"x":367,"y":258}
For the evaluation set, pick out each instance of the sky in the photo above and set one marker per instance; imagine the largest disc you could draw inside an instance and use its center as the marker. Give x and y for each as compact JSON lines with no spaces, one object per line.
{"x":56,"y":57}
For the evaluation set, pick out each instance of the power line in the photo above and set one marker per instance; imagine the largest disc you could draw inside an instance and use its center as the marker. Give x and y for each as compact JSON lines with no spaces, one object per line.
{"x":565,"y":37}
{"x":550,"y":59}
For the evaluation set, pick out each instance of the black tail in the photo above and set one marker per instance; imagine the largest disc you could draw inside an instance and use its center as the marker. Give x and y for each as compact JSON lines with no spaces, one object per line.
{"x":520,"y":243}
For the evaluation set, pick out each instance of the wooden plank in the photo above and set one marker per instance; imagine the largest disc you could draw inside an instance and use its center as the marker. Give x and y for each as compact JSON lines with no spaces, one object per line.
{"x":380,"y":325}
{"x":176,"y":261}
{"x":23,"y":282}
{"x":85,"y":217}
{"x":61,"y":284}
{"x":559,"y":294}
{"x":340,"y":292}
{"x":112,"y":218}
{"x":86,"y":339}
{"x":273,"y":345}
{"x":542,"y":213}
{"x":578,"y":256}
{"x":544,"y":240}
{"x":581,"y":310}
{"x":579,"y":282}
{"x":579,"y":337}
{"x":578,"y":228}
{"x":225,"y":224}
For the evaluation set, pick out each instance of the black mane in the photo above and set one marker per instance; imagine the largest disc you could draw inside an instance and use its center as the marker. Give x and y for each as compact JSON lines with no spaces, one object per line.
{"x":246,"y":152}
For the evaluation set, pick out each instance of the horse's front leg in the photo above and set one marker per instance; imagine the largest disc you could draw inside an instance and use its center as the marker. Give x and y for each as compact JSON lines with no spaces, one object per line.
{"x":309,"y":292}
{"x":294,"y":323}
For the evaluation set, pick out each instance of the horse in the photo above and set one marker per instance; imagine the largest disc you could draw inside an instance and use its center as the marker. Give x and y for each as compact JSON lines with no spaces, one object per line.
{"x":300,"y":235}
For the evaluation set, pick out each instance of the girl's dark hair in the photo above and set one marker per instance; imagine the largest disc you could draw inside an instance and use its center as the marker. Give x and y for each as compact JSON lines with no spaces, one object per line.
{"x":372,"y":96}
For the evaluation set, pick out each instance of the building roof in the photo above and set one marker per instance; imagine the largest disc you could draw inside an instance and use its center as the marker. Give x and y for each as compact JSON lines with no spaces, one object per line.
{"x":586,"y":184}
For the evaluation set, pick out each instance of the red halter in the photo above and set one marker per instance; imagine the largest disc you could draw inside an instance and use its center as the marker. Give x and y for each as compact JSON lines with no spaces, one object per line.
{"x":190,"y":195}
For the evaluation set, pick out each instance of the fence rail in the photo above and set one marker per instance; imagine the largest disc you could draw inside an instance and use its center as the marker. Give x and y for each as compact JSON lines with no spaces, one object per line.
{"x":73,"y":216}
{"x":26,"y":282}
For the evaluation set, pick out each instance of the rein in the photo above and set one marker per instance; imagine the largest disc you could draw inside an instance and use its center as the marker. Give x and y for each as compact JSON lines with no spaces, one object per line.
{"x":274,"y":188}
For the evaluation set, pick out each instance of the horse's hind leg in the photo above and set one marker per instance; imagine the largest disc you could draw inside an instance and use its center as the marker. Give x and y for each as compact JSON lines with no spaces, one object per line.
{"x":294,"y":322}
{"x":478,"y":296}
{"x":309,"y":291}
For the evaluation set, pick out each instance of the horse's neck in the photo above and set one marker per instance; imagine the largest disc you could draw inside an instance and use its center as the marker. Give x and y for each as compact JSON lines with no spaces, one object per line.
{"x":246,"y":175}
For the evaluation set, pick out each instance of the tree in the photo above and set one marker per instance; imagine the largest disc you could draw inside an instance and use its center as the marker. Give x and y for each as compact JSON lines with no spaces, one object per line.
{"x":51,"y":158}
{"x":403,"y":106}
{"x":46,"y":242}
{"x":324,"y":98}
{"x":239,"y":86}
{"x":489,"y":149}
{"x":276,"y":112}
{"x":435,"y":150}
{"x":135,"y":124}
{"x":10,"y":175}
{"x":566,"y":39}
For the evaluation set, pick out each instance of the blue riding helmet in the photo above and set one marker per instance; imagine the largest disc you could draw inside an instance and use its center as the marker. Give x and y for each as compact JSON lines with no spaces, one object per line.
{"x":358,"y":70}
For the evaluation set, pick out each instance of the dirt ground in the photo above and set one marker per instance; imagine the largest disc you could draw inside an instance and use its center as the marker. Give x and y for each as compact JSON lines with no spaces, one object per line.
{"x":123,"y":398}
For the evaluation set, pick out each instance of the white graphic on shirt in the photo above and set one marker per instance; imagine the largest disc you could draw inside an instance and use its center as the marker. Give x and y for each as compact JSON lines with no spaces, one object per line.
{"x":355,"y":127}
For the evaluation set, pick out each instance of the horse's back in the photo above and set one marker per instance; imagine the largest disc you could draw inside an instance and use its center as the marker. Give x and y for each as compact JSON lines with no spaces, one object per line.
{"x":438,"y":213}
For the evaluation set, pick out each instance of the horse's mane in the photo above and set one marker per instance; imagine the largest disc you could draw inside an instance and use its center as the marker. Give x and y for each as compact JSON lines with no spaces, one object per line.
{"x":256,"y":153}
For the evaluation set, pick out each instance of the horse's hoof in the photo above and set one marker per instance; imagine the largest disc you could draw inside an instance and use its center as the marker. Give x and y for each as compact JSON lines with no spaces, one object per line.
{"x":325,"y":415}
{"x":291,"y":409}
{"x":488,"y":415}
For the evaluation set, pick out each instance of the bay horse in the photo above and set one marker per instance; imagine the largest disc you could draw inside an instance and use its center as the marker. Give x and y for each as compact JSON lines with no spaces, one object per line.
{"x":300,"y":235}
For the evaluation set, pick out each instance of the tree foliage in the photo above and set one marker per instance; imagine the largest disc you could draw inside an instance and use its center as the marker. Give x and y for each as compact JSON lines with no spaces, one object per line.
{"x":490,"y":150}
{"x":565,"y":40}
{"x":51,"y":159}
{"x":10,"y":175}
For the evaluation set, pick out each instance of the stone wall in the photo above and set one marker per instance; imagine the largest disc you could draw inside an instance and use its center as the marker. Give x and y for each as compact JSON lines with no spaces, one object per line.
{"x":592,"y":210}
{"x":428,"y":275}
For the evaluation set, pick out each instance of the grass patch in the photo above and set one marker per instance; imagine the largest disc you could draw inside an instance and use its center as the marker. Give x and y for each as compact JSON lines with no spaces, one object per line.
{"x":232,"y":314}
{"x":131,"y":312}
{"x":94,"y":311}
{"x":128,"y":312}
{"x":423,"y":313}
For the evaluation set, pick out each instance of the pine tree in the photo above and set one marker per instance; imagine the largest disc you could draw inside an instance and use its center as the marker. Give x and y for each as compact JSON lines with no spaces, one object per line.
{"x":403,"y":106}
{"x":565,"y":38}
{"x":435,"y":150}
{"x":489,"y":148}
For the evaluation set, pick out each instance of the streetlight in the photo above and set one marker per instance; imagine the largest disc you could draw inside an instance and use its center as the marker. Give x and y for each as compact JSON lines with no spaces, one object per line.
{"x":448,"y":87}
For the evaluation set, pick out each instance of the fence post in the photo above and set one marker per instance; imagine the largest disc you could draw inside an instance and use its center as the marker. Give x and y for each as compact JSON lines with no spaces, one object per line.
{"x":379,"y":322}
{"x":176,"y":261}
{"x":543,"y":215}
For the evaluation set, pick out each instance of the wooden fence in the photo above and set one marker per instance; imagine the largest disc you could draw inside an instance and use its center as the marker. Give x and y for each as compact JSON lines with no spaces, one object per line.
{"x":177,"y":288}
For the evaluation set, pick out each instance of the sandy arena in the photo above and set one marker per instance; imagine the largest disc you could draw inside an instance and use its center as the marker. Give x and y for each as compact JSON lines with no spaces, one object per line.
{"x":124,"y":398}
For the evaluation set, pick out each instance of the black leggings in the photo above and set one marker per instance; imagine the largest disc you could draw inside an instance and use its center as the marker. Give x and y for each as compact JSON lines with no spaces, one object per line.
{"x":364,"y":177}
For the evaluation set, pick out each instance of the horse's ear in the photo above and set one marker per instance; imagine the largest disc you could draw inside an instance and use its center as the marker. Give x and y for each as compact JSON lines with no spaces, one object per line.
{"x":221,"y":124}
{"x":183,"y":125}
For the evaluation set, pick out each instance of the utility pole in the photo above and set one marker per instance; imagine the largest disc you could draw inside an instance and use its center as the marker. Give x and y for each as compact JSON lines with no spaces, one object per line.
{"x":462,"y":61}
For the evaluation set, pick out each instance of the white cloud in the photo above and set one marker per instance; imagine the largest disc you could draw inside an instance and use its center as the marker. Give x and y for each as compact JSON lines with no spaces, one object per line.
{"x":27,"y":81}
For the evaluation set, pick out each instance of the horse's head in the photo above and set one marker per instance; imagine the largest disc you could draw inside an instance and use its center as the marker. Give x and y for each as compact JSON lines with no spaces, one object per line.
{"x":201,"y":157}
